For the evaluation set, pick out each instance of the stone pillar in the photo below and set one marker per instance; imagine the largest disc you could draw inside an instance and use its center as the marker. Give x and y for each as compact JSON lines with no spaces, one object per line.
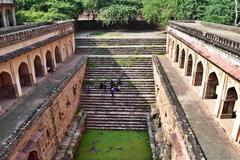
{"x":14,"y":18}
{"x":236,"y":126}
{"x":4,"y":18}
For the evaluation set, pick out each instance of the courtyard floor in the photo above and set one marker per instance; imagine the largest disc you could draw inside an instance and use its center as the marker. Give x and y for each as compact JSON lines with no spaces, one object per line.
{"x":114,"y":145}
{"x":213,"y":140}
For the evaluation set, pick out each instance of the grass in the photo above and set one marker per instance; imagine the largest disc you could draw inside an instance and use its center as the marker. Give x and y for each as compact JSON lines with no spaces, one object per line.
{"x":128,"y":62}
{"x":105,"y":34}
{"x":114,"y":145}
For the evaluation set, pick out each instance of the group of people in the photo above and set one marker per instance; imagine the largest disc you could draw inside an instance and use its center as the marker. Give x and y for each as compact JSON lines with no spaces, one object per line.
{"x":114,"y":86}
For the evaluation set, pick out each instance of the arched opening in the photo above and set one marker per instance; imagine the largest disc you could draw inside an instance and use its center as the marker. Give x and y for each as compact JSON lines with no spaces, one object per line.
{"x":33,"y":155}
{"x":24,"y":75}
{"x":182,"y":59}
{"x":49,"y":62}
{"x":9,"y":17}
{"x":198,"y":75}
{"x":57,"y":55}
{"x":211,"y":87}
{"x":229,"y":103}
{"x":189,"y":65}
{"x":7,"y":89}
{"x":39,"y":72}
{"x":1,"y":20}
{"x":176,"y":54}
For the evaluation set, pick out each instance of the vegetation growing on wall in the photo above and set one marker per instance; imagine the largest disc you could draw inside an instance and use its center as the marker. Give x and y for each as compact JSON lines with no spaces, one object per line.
{"x":123,"y":11}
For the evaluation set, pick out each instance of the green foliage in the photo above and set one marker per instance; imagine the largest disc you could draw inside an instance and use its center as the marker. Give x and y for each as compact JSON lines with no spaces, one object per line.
{"x":118,"y":13}
{"x":47,"y":10}
{"x":219,"y":11}
{"x":160,"y":11}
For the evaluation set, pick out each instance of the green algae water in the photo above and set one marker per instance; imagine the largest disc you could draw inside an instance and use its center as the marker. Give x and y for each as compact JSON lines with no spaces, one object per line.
{"x":114,"y":145}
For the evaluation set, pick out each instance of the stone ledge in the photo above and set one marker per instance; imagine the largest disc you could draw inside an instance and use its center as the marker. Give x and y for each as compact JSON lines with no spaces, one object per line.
{"x":24,"y":50}
{"x":12,"y":38}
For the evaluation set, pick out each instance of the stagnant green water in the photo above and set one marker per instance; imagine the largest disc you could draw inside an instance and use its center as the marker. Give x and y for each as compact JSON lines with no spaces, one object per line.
{"x":114,"y":145}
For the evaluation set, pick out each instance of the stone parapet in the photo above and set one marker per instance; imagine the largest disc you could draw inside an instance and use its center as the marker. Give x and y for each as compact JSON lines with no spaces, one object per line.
{"x":224,"y":43}
{"x":29,"y":48}
{"x":174,"y":128}
{"x":15,"y":37}
{"x":7,"y":147}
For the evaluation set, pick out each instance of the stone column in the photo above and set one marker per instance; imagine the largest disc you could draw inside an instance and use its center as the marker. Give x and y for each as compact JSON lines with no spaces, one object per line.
{"x":236,"y":126}
{"x":4,"y":18}
{"x":13,"y":17}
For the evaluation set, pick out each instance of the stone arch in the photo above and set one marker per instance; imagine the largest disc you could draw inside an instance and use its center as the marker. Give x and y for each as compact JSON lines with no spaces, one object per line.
{"x":211,"y":86}
{"x":198,"y":75}
{"x":49,"y":62}
{"x":176,"y":54}
{"x":7,"y":89}
{"x":25,"y":77}
{"x":182,"y":60}
{"x":9,"y":17}
{"x":33,"y":155}
{"x":229,"y":103}
{"x":38,"y":67}
{"x":189,"y":65}
{"x":58,"y":56}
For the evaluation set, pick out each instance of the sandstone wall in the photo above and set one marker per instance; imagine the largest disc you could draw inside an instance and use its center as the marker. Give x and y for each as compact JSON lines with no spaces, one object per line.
{"x":48,"y":130}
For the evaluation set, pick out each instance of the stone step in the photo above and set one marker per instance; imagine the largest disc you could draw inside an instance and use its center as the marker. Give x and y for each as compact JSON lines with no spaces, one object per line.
{"x":129,"y":116}
{"x":103,"y":119}
{"x":121,"y":51}
{"x":105,"y":109}
{"x":117,"y":128}
{"x":119,"y":41}
{"x":141,"y":123}
{"x":119,"y":104}
{"x":117,"y":113}
{"x":117,"y":125}
{"x":116,"y":106}
{"x":121,"y":92}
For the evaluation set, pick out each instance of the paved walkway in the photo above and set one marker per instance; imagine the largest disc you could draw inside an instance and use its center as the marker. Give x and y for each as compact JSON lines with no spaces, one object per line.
{"x":30,"y":102}
{"x":212,"y":138}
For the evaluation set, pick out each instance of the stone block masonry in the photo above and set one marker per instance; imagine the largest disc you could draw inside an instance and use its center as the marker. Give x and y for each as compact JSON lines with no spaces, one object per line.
{"x":44,"y":128}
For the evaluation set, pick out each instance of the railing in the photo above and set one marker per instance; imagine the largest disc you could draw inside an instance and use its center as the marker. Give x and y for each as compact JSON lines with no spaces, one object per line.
{"x":226,"y":44}
{"x":15,"y":37}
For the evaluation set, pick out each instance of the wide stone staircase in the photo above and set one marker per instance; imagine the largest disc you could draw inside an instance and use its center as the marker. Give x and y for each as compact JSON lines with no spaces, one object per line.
{"x":128,"y":108}
{"x":121,"y":46}
{"x":127,"y":59}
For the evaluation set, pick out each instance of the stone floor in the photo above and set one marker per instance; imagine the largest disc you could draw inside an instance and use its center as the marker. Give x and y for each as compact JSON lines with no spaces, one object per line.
{"x":213,"y":140}
{"x":25,"y":106}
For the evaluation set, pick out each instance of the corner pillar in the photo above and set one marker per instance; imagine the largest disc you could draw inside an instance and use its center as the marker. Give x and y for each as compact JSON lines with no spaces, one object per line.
{"x":4,"y":19}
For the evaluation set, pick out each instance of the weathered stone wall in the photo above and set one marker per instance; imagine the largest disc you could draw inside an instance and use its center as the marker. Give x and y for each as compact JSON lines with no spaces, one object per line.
{"x":173,"y":135}
{"x":48,"y":130}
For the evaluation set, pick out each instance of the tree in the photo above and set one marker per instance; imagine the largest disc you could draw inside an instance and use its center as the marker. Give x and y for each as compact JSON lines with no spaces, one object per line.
{"x":47,"y":10}
{"x":93,"y":6}
{"x":118,"y":13}
{"x":219,"y":11}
